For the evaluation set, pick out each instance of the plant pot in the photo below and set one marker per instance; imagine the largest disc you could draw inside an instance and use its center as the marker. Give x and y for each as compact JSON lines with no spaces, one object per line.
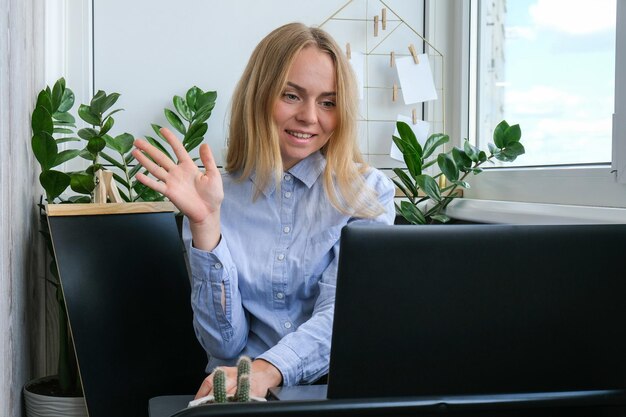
{"x":42,"y":404}
{"x":231,"y":399}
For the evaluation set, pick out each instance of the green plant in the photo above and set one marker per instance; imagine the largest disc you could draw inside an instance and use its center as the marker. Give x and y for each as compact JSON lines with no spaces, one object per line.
{"x":53,"y":126}
{"x":427,"y":196}
{"x":243,"y":383}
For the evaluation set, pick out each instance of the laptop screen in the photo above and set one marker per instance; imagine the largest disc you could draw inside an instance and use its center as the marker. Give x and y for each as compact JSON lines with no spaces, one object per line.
{"x":479,"y":310}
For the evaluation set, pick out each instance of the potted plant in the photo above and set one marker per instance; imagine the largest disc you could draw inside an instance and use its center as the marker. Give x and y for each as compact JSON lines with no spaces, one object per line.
{"x":54,"y":125}
{"x":242,"y":394}
{"x":426,"y":196}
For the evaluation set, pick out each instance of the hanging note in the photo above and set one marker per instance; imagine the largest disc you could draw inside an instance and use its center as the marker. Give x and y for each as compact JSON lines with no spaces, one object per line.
{"x":416,"y":80}
{"x":421,"y":129}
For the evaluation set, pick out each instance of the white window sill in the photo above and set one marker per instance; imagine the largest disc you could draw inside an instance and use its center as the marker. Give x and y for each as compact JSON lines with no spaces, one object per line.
{"x":492,"y":211}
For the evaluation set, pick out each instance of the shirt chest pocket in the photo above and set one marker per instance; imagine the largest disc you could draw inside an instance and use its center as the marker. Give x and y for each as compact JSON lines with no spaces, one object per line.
{"x":319,"y":253}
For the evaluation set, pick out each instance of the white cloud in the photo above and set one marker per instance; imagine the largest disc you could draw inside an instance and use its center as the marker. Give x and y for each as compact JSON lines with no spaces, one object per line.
{"x":541,"y":100}
{"x":521,"y":32}
{"x":575,"y":17}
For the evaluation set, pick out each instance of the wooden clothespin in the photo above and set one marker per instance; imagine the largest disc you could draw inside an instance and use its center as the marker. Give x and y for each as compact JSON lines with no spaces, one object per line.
{"x":394,"y":95}
{"x":392,"y":59}
{"x":348,"y":51}
{"x":106,"y":188}
{"x":414,"y":116}
{"x":414,"y":53}
{"x":376,"y":25}
{"x":383,"y":12}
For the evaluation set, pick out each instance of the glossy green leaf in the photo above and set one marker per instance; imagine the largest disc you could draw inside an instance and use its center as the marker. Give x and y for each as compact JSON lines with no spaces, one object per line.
{"x":407,"y":134}
{"x":193,"y":143}
{"x":471,"y":151}
{"x":110,"y":101}
{"x":108,"y":124}
{"x":87,"y":133}
{"x":97,"y":102}
{"x":402,"y":188}
{"x":63,"y":117}
{"x":120,"y":180}
{"x":433,"y":142}
{"x":413,"y":163}
{"x":82,"y":183}
{"x":67,"y":101}
{"x":175,"y":121}
{"x":492,"y":148}
{"x":191,"y":96}
{"x":45,"y":149}
{"x":44,"y":100}
{"x":85,"y":113}
{"x":406,"y":180}
{"x":125,"y":141}
{"x":196,"y":130}
{"x":448,"y":167}
{"x":181,"y":107}
{"x":463,"y":162}
{"x":62,"y":131}
{"x":95,"y":145}
{"x":66,"y":155}
{"x":499,"y":134}
{"x":202,"y":114}
{"x":157,"y":130}
{"x":463,"y":184}
{"x":411,"y":213}
{"x":76,"y":199}
{"x":41,"y":121}
{"x":512,"y":135}
{"x":442,"y":218}
{"x":54,"y":183}
{"x":70,"y":139}
{"x":206,"y":99}
{"x":429,"y":186}
{"x":57,"y":94}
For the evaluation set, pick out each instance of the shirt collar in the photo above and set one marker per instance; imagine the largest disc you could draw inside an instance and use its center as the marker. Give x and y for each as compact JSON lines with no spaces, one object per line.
{"x":308,"y":171}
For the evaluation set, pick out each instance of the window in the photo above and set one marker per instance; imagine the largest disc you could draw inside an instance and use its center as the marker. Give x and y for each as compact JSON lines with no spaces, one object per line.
{"x":549,"y":65}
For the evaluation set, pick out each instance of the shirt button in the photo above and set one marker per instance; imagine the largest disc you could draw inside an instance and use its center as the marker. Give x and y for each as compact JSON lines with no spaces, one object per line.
{"x":280,"y":256}
{"x":286,"y":229}
{"x":280,"y":296}
{"x":287,"y":177}
{"x":287,"y":325}
{"x":288,"y":194}
{"x":218,"y":266}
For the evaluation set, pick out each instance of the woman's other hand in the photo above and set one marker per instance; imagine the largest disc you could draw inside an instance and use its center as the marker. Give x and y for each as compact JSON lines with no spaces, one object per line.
{"x":263,"y":376}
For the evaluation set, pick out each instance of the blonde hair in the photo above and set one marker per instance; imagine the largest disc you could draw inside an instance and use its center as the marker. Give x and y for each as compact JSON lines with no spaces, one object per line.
{"x":253,"y":138}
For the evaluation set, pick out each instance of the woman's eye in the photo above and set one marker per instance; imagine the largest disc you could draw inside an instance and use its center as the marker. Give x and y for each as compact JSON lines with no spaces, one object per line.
{"x":290,"y":96}
{"x":328,"y":104}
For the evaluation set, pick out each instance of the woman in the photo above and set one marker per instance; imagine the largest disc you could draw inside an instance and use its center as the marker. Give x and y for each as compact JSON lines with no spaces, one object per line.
{"x":263,"y":238}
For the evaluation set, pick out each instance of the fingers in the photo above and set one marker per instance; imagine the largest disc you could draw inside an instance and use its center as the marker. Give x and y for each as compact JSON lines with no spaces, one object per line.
{"x":156,"y":170}
{"x":159,"y":157}
{"x":205,"y":388}
{"x":206,"y":156}
{"x":181,"y":153}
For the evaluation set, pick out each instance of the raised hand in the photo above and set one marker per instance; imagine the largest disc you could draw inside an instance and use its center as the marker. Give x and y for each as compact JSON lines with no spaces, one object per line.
{"x":198,"y":195}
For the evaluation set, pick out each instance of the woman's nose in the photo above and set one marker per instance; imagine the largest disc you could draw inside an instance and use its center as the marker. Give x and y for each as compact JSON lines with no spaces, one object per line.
{"x":307,"y":113}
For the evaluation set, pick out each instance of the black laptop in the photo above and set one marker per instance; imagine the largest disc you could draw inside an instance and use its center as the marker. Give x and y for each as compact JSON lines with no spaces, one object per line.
{"x":470,"y":313}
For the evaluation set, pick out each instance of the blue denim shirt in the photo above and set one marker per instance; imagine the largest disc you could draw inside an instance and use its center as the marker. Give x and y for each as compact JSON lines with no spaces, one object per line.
{"x":277,"y":261}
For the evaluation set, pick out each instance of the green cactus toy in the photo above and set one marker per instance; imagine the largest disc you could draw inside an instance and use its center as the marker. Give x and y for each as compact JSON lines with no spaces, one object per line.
{"x":243,"y":388}
{"x":219,"y":386}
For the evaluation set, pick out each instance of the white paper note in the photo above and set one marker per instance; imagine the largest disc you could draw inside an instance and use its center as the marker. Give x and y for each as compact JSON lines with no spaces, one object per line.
{"x":416,"y":80}
{"x":421,"y":129}
{"x":357,"y":61}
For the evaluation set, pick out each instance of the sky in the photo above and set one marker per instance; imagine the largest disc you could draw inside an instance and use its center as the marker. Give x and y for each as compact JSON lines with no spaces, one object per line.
{"x":559,"y":78}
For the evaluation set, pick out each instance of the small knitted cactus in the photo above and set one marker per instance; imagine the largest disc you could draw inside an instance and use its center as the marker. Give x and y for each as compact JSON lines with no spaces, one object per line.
{"x":244,"y":365}
{"x":243,"y":388}
{"x":219,"y":385}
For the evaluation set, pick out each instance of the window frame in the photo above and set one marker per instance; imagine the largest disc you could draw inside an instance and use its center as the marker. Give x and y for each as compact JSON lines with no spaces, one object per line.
{"x":562,"y":188}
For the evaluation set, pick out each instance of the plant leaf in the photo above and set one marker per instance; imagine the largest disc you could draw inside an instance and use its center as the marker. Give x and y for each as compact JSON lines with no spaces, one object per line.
{"x":407,"y":134}
{"x":44,"y":100}
{"x":195,"y":130}
{"x":87,"y":133}
{"x":181,"y":107}
{"x":63,"y":117}
{"x":203,"y":113}
{"x":462,"y":160}
{"x":448,"y":167}
{"x":41,"y":121}
{"x":85,"y":113}
{"x":67,"y":101}
{"x":109,"y":101}
{"x":429,"y":186}
{"x":66,"y":155}
{"x":471,"y":151}
{"x":82,"y":183}
{"x":406,"y":180}
{"x":45,"y":149}
{"x":191,"y":96}
{"x":440,"y":218}
{"x":125,"y":141}
{"x":433,"y":142}
{"x":156,"y":144}
{"x":411,"y":213}
{"x":95,"y":145}
{"x":512,"y":134}
{"x":108,"y":124}
{"x":111,"y":160}
{"x":499,"y":134}
{"x":175,"y":121}
{"x":206,"y":99}
{"x":54,"y":182}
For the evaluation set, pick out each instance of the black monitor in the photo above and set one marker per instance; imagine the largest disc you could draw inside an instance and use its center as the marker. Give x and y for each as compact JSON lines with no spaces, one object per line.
{"x":458,"y":311}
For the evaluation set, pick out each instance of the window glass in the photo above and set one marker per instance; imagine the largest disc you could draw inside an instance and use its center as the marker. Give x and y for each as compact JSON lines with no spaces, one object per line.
{"x":548,"y":65}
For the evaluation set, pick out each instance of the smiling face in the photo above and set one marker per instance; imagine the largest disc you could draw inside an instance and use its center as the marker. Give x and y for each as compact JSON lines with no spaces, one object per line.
{"x":305,"y":114}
